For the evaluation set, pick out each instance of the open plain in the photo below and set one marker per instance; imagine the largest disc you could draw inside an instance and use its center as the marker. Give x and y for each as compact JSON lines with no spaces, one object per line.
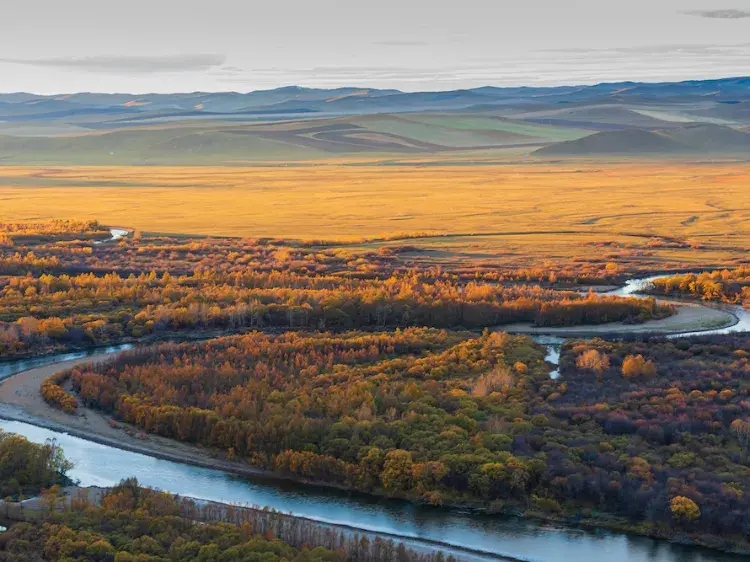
{"x":656,"y":215}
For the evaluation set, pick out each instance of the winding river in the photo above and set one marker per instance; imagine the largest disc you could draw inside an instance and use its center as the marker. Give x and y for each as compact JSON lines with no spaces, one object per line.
{"x":471,"y":536}
{"x":635,"y":288}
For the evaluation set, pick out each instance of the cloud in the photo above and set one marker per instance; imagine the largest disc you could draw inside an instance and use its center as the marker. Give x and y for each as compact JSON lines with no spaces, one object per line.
{"x":720,"y":14}
{"x":125,"y":64}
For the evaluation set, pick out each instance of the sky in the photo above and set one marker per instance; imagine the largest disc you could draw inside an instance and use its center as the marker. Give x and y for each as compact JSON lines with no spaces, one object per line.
{"x":139,"y":46}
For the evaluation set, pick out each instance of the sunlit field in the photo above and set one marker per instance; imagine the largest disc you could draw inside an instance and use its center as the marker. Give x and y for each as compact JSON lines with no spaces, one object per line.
{"x":694,"y":214}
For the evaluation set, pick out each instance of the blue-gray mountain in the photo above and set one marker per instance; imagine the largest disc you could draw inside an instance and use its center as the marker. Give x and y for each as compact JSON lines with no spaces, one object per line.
{"x":296,"y":123}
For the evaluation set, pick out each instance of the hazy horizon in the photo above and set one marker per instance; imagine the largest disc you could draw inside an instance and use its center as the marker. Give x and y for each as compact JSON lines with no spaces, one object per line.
{"x":169,"y":46}
{"x":357,"y":87}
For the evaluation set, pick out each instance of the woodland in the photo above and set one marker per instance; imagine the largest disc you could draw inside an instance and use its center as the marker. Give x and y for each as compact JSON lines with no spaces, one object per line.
{"x":62,"y":294}
{"x":651,"y":435}
{"x":727,"y":286}
{"x":374,"y":370}
{"x":129,"y":523}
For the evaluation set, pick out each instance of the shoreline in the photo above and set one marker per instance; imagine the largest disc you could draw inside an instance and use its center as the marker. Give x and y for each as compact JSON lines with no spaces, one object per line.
{"x":221,"y":514}
{"x":657,"y":327}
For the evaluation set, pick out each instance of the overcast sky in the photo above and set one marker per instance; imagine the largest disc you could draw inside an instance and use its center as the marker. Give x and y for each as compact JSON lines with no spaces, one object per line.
{"x":56,"y":46}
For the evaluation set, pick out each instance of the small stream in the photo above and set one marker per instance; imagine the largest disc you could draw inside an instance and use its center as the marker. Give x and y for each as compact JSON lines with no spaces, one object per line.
{"x":635,"y":288}
{"x":116,"y":234}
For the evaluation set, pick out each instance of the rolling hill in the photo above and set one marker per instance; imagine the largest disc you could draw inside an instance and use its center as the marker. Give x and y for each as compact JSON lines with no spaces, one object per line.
{"x":292,"y":140}
{"x":295,"y":123}
{"x":690,"y":139}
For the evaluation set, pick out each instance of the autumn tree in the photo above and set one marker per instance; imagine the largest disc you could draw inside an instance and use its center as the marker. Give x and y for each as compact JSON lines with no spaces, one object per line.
{"x":684,"y":509}
{"x":397,"y":470}
{"x":635,"y":366}
{"x":593,"y":360}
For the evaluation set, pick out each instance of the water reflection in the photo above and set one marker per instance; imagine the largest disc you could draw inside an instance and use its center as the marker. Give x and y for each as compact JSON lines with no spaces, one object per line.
{"x":10,"y":368}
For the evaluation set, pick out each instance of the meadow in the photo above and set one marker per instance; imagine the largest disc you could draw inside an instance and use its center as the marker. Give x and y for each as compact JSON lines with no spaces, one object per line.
{"x":654,"y":215}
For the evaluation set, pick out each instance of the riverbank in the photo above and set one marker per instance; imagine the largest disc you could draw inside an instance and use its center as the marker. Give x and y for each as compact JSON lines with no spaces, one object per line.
{"x":283,"y":525}
{"x":21,"y":400}
{"x":688,"y":318}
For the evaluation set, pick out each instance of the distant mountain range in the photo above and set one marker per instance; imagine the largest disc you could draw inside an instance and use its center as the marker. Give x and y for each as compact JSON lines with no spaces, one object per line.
{"x":301,"y":123}
{"x":357,"y":101}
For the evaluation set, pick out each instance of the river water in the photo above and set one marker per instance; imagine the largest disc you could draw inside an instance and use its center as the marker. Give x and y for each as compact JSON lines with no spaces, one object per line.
{"x":116,"y":234}
{"x":10,"y":368}
{"x":635,"y":288}
{"x":499,"y":537}
{"x":100,"y":465}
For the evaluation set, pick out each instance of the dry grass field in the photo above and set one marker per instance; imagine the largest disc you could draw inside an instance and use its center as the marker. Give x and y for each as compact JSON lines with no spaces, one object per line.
{"x":692,"y":214}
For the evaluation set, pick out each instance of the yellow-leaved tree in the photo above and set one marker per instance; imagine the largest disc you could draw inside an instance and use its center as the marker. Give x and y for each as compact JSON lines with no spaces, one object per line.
{"x":684,"y":509}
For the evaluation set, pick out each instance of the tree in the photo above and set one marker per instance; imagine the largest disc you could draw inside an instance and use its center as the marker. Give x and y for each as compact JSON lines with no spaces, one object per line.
{"x":593,"y":360}
{"x":635,"y":365}
{"x":741,"y":429}
{"x":684,"y":509}
{"x":397,"y":470}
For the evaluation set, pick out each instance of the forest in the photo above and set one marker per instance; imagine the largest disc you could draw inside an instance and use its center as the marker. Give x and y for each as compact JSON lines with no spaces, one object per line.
{"x":652,"y":436}
{"x":727,"y":286}
{"x":39,"y":233}
{"x":128,"y":523}
{"x":63,"y":294}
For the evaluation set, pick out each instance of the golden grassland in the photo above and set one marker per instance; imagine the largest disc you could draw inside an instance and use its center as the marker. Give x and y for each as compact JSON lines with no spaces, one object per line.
{"x":688,"y":212}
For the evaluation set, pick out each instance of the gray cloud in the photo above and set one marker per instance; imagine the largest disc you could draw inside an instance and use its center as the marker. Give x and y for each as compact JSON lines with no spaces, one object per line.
{"x":125,"y":64}
{"x":720,"y":14}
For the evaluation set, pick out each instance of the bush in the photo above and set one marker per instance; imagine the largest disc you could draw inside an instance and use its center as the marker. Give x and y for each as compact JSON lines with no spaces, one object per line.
{"x":55,"y":396}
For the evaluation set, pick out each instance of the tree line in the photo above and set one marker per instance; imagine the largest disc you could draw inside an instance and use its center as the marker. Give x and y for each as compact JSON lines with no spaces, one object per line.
{"x":49,"y":312}
{"x":729,"y":286}
{"x":134,"y":524}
